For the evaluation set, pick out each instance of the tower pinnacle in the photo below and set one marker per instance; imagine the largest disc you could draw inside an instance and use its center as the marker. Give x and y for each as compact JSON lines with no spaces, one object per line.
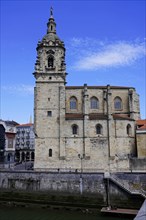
{"x":51,"y":12}
{"x":51,"y":23}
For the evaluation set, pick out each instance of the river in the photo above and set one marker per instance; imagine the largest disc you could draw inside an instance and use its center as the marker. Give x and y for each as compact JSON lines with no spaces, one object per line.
{"x":17,"y":213}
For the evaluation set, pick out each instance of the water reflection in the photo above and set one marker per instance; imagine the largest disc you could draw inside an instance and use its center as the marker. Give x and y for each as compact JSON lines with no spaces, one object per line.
{"x":15,"y":213}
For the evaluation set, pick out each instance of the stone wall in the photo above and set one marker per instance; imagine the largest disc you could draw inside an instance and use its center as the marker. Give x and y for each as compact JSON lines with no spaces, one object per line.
{"x":44,"y":181}
{"x":138,"y":164}
{"x":55,"y":132}
{"x":91,"y":187}
{"x":141,"y":144}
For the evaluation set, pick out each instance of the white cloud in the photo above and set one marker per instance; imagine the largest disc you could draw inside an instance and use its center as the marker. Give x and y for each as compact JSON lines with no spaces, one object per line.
{"x":19,"y":89}
{"x":93,"y":54}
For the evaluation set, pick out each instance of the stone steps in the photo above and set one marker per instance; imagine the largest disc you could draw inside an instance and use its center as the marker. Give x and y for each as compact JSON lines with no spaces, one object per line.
{"x":126,"y":186}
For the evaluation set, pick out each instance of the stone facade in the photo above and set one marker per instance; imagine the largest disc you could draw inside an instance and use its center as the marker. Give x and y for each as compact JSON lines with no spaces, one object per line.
{"x":7,"y":143}
{"x":79,"y":128}
{"x":141,"y":143}
{"x":24,"y":142}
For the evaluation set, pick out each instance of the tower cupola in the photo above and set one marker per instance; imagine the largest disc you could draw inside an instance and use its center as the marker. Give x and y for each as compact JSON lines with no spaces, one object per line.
{"x":50,"y":54}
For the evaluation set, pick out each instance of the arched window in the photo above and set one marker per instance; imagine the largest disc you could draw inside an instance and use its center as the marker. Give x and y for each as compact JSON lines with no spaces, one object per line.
{"x":129,"y":130}
{"x":118,"y":103}
{"x":73,"y":103}
{"x":50,"y":152}
{"x":98,"y":129}
{"x":94,"y":103}
{"x":74,"y":129}
{"x":50,"y":62}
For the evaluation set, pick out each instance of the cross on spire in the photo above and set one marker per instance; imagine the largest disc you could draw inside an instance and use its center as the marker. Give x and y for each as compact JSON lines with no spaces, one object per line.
{"x":51,"y":12}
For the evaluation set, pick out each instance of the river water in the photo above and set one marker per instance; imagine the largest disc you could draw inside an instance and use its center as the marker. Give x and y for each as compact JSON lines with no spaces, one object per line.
{"x":16,"y":213}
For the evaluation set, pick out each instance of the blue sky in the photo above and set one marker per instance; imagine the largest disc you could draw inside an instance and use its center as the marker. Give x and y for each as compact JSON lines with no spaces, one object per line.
{"x":104,"y":39}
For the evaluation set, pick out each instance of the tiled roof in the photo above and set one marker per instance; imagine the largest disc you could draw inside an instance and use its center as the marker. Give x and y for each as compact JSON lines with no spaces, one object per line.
{"x":141,"y":124}
{"x":25,"y":125}
{"x":143,"y":127}
{"x":11,"y":123}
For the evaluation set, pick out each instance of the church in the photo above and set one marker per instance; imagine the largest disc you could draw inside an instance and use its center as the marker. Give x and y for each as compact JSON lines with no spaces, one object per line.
{"x":79,"y":128}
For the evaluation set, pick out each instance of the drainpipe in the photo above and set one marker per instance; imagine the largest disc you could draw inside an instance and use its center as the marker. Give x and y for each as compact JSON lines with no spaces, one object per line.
{"x":108,"y":119}
{"x":84,"y":115}
{"x":108,"y":138}
{"x":83,"y":133}
{"x":59,"y":121}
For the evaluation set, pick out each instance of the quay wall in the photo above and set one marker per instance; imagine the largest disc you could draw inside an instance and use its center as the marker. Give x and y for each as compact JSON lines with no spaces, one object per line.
{"x":69,"y":188}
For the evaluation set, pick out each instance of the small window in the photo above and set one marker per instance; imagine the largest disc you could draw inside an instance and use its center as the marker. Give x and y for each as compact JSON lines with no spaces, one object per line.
{"x":98,"y":129}
{"x":50,"y":61}
{"x":73,"y":103}
{"x":129,"y":130}
{"x":50,"y":152}
{"x":50,"y":113}
{"x":94,"y":103}
{"x":32,"y":156}
{"x":74,"y":129}
{"x":118,"y":103}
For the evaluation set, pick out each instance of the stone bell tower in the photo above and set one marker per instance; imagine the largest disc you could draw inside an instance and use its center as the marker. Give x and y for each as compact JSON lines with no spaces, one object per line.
{"x":49,"y":98}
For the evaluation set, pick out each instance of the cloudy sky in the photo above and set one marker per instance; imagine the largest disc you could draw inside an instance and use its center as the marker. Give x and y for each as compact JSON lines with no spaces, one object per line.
{"x":104,"y":39}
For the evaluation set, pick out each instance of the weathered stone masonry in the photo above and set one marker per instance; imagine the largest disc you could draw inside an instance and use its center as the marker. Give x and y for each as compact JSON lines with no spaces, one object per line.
{"x":79,"y":127}
{"x":68,"y":184}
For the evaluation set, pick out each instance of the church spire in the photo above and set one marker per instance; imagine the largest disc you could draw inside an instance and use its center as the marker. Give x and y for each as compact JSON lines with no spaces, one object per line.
{"x":51,"y":23}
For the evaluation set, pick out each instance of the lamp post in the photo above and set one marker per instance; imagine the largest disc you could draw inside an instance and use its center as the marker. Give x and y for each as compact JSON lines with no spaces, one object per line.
{"x":81,"y":179}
